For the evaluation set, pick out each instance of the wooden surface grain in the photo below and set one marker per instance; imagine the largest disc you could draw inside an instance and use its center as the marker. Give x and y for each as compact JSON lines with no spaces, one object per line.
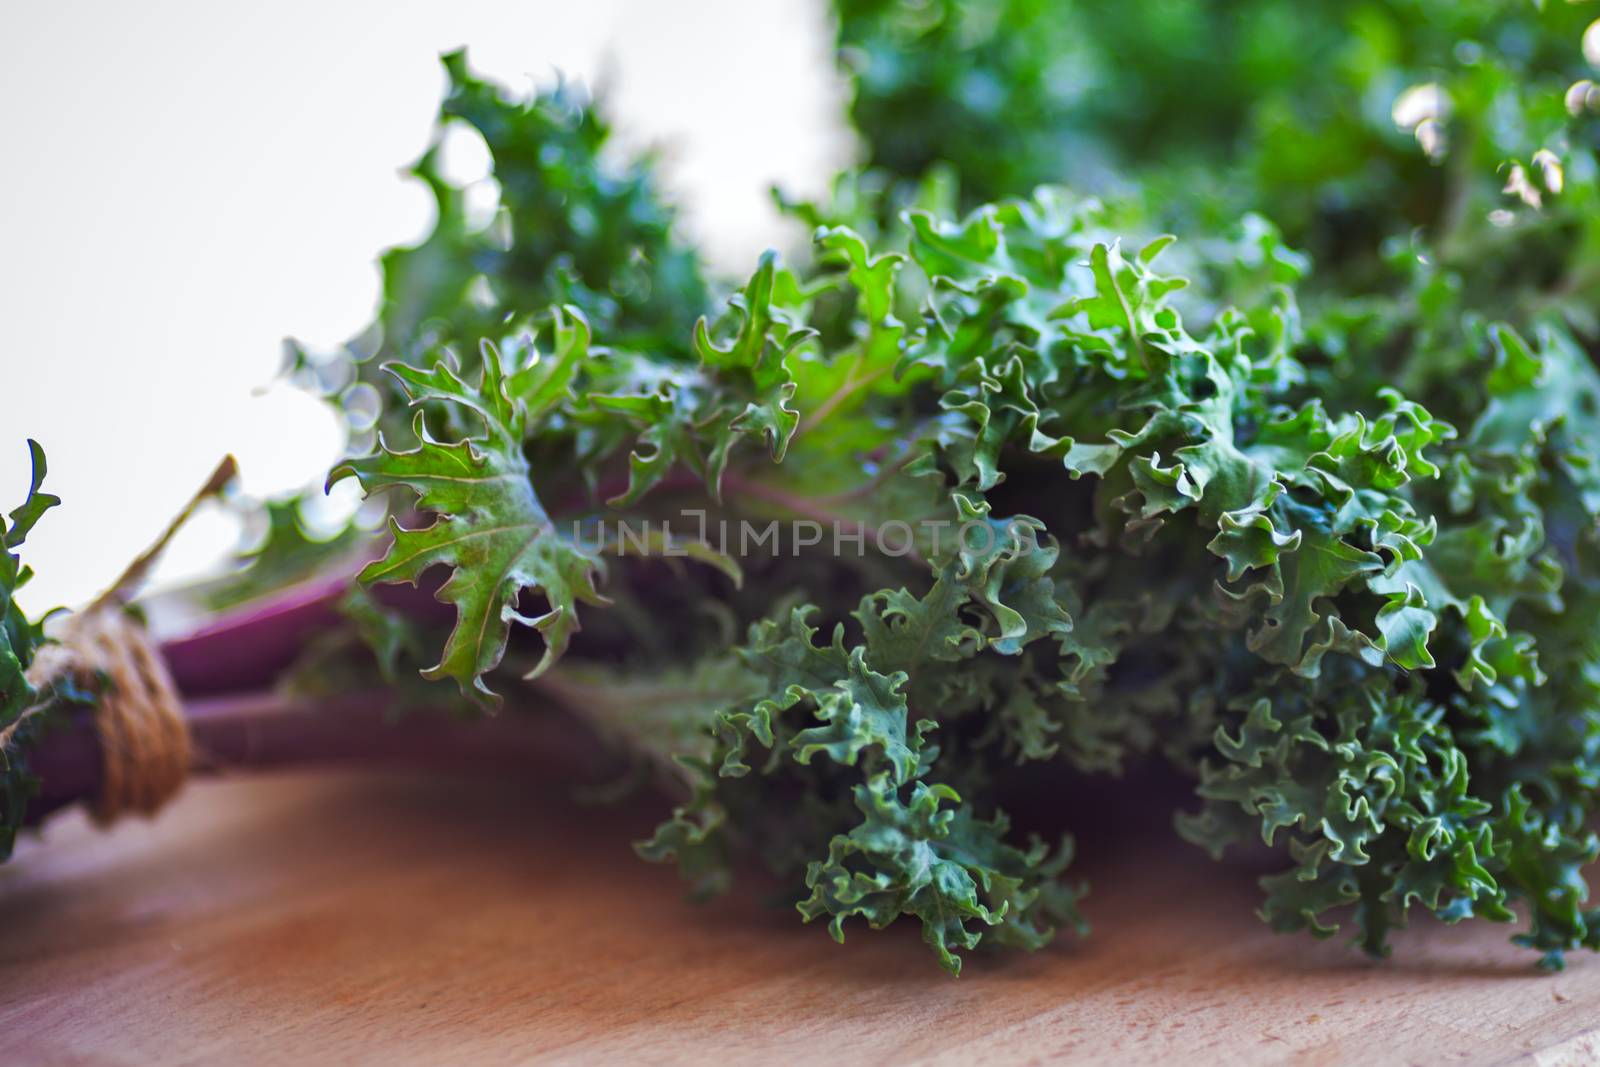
{"x":395,"y":920}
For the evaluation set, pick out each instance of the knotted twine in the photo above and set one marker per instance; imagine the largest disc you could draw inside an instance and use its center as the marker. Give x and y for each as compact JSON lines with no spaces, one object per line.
{"x":138,"y":715}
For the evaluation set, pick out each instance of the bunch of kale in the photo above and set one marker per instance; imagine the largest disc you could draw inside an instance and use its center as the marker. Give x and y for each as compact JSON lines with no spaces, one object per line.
{"x":1305,"y":508}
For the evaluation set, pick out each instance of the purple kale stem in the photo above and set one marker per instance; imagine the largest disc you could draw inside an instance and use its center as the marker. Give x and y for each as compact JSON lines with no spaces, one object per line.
{"x":225,"y":670}
{"x":270,"y":730}
{"x":247,"y":649}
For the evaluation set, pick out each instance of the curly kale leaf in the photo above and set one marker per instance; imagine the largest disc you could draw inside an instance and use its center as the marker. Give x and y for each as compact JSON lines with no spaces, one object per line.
{"x":490,"y":528}
{"x":572,"y":224}
{"x":913,"y":847}
{"x":953,"y":872}
{"x":695,"y":415}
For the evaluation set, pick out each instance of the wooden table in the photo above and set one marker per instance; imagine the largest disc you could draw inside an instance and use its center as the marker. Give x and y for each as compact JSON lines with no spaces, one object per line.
{"x":394,"y":919}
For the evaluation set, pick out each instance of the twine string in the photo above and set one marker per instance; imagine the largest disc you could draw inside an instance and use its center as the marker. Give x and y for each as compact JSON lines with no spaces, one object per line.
{"x":138,"y":717}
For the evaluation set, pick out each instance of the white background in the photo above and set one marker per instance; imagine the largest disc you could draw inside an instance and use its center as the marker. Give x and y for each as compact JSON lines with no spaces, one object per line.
{"x":183,"y":184}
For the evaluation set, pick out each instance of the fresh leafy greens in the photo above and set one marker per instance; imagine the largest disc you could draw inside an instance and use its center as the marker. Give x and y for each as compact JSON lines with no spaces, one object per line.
{"x":1322,"y":551}
{"x":492,"y":530}
{"x":570,"y":225}
{"x":1304,"y":506}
